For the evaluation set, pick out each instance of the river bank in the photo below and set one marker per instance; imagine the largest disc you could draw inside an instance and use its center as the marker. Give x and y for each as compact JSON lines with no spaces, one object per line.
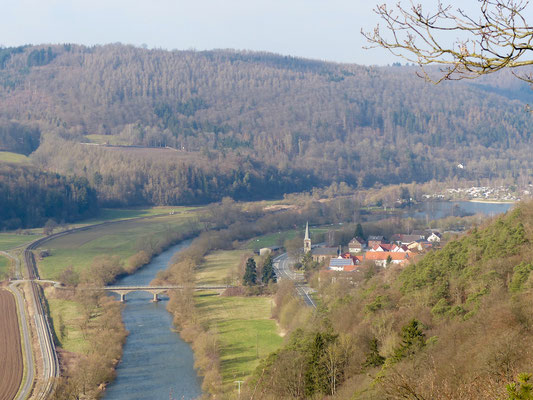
{"x":492,"y":201}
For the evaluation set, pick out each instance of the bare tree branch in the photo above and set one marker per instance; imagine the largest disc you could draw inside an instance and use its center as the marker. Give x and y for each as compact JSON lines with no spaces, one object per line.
{"x":499,"y":37}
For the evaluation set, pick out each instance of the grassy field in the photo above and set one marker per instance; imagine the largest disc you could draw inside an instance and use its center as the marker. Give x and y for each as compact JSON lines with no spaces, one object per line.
{"x":5,"y":265}
{"x":67,"y":312}
{"x":277,"y":239}
{"x":11,"y":240}
{"x":114,"y":214}
{"x":109,"y":139}
{"x":245,"y":330}
{"x":219,"y":265}
{"x":14,"y":158}
{"x":122,"y":239}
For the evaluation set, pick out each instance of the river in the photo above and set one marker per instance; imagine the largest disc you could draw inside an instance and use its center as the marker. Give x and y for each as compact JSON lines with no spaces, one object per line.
{"x":156,"y":363}
{"x":442,"y":209}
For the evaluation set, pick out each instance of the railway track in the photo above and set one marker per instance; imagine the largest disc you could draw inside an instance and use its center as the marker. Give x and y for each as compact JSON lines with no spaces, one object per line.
{"x":50,"y":369}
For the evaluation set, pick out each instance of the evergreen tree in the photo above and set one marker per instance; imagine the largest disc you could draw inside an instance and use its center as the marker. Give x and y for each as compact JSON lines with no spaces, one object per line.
{"x":359,"y":231}
{"x":316,"y":378}
{"x":413,"y":339}
{"x":373,"y":358}
{"x":250,"y":274}
{"x":269,"y":275}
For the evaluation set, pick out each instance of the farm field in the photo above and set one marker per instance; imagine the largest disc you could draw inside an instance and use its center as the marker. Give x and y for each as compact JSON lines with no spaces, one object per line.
{"x":13,"y":158}
{"x":122,"y":239}
{"x":10,"y":347}
{"x":243,"y":325}
{"x":11,"y":240}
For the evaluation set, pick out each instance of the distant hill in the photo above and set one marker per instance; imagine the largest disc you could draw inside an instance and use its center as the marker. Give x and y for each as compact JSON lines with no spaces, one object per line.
{"x":318,"y":121}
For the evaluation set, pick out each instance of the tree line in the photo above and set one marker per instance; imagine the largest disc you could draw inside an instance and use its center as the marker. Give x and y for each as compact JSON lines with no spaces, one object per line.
{"x":30,"y":197}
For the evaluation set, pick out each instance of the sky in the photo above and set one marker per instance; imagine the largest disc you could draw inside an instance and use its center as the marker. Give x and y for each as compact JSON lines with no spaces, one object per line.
{"x":319,"y":29}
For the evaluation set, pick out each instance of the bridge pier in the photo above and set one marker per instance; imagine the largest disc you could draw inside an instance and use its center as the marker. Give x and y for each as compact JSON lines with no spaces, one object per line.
{"x":155,"y":299}
{"x":122,"y":297}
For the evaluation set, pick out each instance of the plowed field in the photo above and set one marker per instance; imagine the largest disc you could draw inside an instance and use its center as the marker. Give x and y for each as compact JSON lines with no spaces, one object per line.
{"x":11,"y":367}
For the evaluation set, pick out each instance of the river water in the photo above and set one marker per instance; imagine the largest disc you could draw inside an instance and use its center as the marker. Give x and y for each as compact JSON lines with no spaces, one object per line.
{"x":442,"y":209}
{"x":156,"y":363}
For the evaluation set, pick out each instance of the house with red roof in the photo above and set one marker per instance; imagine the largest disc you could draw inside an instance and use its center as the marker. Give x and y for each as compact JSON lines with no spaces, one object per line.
{"x":382,"y":258}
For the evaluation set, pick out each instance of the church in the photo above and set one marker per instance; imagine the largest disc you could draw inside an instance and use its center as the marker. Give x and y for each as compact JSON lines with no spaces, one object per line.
{"x":319,"y":254}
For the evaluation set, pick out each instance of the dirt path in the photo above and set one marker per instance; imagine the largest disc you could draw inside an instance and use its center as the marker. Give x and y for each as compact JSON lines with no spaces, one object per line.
{"x":11,"y":367}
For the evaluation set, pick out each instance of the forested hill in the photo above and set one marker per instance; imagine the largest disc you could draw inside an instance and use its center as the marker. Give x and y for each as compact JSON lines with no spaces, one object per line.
{"x":455,"y":324}
{"x":315,"y":120}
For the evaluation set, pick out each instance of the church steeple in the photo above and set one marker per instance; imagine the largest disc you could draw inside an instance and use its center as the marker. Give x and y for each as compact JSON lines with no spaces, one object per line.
{"x":307,"y":239}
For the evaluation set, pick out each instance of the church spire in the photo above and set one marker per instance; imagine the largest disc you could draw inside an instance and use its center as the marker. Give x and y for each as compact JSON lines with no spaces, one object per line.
{"x":307,"y":239}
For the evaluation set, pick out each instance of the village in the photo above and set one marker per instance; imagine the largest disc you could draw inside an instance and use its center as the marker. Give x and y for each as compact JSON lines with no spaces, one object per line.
{"x":399,"y":249}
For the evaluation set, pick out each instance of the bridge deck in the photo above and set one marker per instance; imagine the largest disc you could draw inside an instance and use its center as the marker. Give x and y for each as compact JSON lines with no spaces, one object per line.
{"x":169,"y":287}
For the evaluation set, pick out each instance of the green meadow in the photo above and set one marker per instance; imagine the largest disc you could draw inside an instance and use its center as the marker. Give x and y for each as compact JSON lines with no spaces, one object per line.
{"x":243,"y":325}
{"x":66,"y":322}
{"x":107,"y":139}
{"x":244,"y":329}
{"x":122,"y":238}
{"x":219,"y":265}
{"x":14,"y":158}
{"x":5,"y":265}
{"x":11,"y":240}
{"x":115,"y":214}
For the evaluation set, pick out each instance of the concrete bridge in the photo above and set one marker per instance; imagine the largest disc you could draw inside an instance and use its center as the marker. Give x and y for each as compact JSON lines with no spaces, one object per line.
{"x":157,"y":290}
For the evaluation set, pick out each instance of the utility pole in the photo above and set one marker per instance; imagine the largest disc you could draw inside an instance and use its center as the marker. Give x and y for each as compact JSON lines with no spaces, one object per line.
{"x":239,"y":383}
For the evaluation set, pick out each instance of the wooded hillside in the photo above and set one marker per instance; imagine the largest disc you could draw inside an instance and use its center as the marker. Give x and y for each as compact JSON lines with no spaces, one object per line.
{"x":454,"y":325}
{"x":311,"y":120}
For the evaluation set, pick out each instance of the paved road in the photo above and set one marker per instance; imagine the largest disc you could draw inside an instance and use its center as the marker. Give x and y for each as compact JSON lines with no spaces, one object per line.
{"x":283,"y":271}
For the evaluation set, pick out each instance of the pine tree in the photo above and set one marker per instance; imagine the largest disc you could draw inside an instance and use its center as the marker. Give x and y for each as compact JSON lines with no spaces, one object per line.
{"x":359,"y":231}
{"x":373,"y":358}
{"x":269,"y":275}
{"x":250,"y":274}
{"x":413,"y":339}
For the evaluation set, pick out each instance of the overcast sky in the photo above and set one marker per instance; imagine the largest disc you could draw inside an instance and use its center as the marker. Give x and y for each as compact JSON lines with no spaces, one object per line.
{"x":320,"y":29}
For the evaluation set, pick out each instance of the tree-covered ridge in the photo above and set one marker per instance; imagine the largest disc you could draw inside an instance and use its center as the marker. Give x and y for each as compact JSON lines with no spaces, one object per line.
{"x":478,"y":258}
{"x":340,"y":122}
{"x":29,"y":197}
{"x":126,"y":177}
{"x":456,"y":324}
